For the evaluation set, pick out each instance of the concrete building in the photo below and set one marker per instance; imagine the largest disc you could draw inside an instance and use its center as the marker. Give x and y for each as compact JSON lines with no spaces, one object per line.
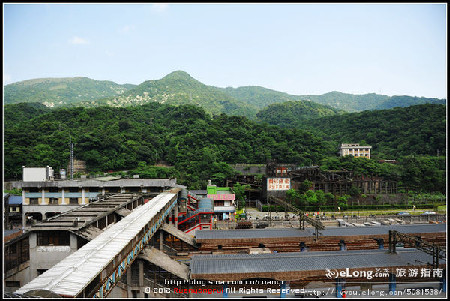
{"x":223,"y":198}
{"x":12,"y":210}
{"x":51,"y":243}
{"x":355,"y":150}
{"x":43,"y":198}
{"x":16,"y":271}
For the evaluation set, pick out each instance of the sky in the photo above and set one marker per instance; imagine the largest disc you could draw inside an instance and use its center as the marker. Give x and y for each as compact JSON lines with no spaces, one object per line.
{"x":300,"y":49}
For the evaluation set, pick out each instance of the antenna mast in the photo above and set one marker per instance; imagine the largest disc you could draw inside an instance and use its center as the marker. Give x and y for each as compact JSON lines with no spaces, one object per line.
{"x":71,"y":158}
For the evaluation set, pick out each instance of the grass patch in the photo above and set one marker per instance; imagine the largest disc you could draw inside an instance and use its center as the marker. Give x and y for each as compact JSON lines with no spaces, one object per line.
{"x":442,"y":208}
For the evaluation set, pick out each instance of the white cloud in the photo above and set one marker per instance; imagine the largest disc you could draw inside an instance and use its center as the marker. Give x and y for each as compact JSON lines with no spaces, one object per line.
{"x":77,"y":40}
{"x":160,"y":7}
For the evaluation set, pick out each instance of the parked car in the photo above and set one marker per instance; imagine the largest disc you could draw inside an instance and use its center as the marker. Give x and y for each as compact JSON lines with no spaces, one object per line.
{"x":261,"y":225}
{"x":403,"y":213}
{"x":428,"y":213}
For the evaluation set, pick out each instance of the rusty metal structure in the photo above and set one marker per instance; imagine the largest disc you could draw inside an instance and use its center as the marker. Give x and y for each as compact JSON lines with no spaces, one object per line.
{"x":416,"y":241}
{"x":340,"y":182}
{"x":317,"y":224}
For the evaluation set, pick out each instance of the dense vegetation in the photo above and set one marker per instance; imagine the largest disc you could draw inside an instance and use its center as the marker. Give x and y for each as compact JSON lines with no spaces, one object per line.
{"x":371,"y":101}
{"x":179,"y":88}
{"x":180,"y":121}
{"x":197,"y":145}
{"x":415,"y":130}
{"x":61,"y":91}
{"x":415,"y":173}
{"x":259,"y":97}
{"x":293,"y":113}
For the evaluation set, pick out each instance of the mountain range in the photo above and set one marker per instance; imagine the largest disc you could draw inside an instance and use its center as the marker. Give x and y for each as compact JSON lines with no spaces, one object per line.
{"x":179,"y":88}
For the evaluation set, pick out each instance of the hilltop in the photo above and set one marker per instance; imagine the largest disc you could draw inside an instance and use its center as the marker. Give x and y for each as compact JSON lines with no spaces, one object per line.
{"x":56,"y":92}
{"x":371,"y":101}
{"x":179,"y":88}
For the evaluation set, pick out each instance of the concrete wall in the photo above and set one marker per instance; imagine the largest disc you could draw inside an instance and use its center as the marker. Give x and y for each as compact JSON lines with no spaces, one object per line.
{"x":118,"y":292}
{"x":20,"y":274}
{"x":33,"y":174}
{"x":45,"y":257}
{"x":43,"y":210}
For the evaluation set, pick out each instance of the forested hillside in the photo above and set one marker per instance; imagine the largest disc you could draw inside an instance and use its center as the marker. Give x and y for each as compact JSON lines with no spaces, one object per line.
{"x":55,"y":92}
{"x":415,"y":130}
{"x":293,"y":113}
{"x":371,"y":101}
{"x":262,"y":97}
{"x":179,"y":88}
{"x":108,"y":138}
{"x":259,"y":97}
{"x":200,"y":146}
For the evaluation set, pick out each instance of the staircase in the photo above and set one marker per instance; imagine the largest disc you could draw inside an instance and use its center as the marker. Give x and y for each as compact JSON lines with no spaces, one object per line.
{"x":162,"y":260}
{"x":179,"y":234}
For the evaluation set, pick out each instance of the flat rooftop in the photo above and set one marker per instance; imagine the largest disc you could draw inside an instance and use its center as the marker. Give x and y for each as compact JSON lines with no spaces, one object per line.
{"x":163,"y":183}
{"x":83,"y":216}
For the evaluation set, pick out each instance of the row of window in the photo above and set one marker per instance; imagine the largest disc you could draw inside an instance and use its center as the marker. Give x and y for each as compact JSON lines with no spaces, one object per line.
{"x":54,"y":201}
{"x":88,"y":189}
{"x":361,"y":150}
{"x":55,"y":238}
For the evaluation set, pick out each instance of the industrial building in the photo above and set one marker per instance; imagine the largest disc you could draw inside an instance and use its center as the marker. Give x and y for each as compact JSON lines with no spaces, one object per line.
{"x":164,"y":262}
{"x":43,"y":196}
{"x":138,"y":241}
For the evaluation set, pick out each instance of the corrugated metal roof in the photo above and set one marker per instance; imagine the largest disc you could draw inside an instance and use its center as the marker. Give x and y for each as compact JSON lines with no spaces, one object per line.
{"x":340,"y":231}
{"x":15,"y":200}
{"x":377,"y":230}
{"x":303,"y":261}
{"x":71,"y":275}
{"x":252,"y":233}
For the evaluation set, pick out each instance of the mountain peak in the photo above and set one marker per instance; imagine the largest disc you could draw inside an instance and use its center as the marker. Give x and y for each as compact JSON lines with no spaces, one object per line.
{"x":179,"y":74}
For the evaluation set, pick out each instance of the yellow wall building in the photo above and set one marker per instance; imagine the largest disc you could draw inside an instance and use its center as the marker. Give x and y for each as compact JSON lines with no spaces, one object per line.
{"x":355,"y":150}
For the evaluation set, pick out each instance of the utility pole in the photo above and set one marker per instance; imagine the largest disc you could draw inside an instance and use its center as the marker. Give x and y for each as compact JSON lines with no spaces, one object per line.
{"x":71,"y":158}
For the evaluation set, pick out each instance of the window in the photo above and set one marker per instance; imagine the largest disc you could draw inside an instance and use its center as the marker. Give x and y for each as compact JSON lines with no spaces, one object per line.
{"x":114,"y":189}
{"x":53,"y":201}
{"x":53,"y":189}
{"x":53,"y":238}
{"x":34,"y":201}
{"x":134,"y":293}
{"x":12,"y":283}
{"x":73,"y":201}
{"x":73,"y":189}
